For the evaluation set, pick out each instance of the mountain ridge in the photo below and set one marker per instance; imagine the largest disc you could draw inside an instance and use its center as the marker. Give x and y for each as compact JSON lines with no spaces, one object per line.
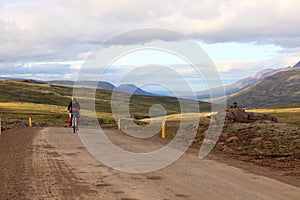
{"x":127,"y":88}
{"x":296,"y":65}
{"x":242,"y":83}
{"x":133,"y":89}
{"x":232,"y":88}
{"x":281,"y":88}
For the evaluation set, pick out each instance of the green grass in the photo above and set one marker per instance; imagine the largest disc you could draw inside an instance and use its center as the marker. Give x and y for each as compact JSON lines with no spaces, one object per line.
{"x":40,"y":113}
{"x":289,"y":115}
{"x":48,"y":103}
{"x":18,"y":91}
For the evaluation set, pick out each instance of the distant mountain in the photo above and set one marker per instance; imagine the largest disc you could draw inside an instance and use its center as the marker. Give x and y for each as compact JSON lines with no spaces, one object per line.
{"x":230,"y":89}
{"x":105,"y":85}
{"x":100,"y":85}
{"x":281,"y":88}
{"x":128,"y":88}
{"x":297,"y":65}
{"x":9,"y":78}
{"x":21,"y":79}
{"x":133,"y":89}
{"x":251,"y":79}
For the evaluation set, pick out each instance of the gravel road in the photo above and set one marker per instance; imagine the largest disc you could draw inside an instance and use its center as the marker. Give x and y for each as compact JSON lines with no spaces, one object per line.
{"x":52,"y":163}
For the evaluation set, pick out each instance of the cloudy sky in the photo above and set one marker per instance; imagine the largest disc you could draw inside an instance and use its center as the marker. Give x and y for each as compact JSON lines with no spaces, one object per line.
{"x":51,"y":39}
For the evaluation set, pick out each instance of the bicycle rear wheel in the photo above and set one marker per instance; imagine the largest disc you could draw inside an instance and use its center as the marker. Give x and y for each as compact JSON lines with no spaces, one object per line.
{"x":74,"y":123}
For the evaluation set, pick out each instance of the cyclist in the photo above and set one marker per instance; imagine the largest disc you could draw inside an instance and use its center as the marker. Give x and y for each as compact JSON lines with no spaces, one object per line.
{"x":74,"y":108}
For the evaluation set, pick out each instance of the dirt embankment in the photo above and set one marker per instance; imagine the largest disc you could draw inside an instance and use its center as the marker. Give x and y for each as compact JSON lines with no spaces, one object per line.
{"x":263,"y":143}
{"x":256,"y":137}
{"x":13,"y":123}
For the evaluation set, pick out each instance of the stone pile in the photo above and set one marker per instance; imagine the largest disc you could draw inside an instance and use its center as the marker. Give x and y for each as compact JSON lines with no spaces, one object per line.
{"x":236,"y":114}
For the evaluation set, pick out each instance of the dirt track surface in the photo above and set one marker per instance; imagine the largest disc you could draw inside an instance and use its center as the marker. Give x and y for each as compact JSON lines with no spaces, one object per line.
{"x":15,"y":162}
{"x":52,"y":163}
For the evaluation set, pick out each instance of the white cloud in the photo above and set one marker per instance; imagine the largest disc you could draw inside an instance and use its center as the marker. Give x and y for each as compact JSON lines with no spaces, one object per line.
{"x":54,"y":37}
{"x":38,"y":70}
{"x":254,"y":66}
{"x":65,"y":29}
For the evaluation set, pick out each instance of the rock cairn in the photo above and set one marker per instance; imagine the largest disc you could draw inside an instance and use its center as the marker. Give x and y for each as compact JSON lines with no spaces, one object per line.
{"x":237,"y":114}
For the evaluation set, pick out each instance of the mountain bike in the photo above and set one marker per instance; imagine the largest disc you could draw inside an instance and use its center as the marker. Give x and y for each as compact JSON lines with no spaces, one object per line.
{"x":75,"y":122}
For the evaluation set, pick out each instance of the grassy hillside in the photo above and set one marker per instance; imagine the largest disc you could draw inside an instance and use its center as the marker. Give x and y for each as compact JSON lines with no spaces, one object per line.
{"x":282,"y":88}
{"x":48,"y":103}
{"x":290,"y":115}
{"x":33,"y":92}
{"x":232,"y":88}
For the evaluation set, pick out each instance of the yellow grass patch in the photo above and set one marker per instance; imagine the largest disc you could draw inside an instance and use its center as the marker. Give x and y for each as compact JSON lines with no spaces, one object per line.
{"x":276,"y":110}
{"x":22,"y":107}
{"x":284,"y":115}
{"x":176,"y":117}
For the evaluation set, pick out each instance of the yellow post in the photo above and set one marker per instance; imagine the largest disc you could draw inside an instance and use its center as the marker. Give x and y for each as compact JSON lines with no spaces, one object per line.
{"x":30,"y":122}
{"x":119,"y":124}
{"x":0,"y":126}
{"x":163,"y":130}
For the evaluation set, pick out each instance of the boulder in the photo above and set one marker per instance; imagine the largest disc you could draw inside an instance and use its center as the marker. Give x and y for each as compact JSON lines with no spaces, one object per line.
{"x":231,"y":139}
{"x":208,"y":141}
{"x":237,"y":114}
{"x":257,"y":140}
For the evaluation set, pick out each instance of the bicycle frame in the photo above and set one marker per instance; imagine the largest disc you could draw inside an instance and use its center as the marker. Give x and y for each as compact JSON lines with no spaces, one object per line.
{"x":75,"y":122}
